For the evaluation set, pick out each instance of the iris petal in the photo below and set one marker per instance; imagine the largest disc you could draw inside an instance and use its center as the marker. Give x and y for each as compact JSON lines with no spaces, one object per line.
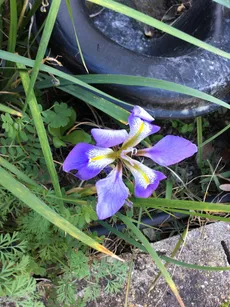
{"x":112,"y":194}
{"x":142,"y":114}
{"x":109,"y":138}
{"x":146,"y":179}
{"x":88,"y":159}
{"x":139,"y":130}
{"x":170,"y":150}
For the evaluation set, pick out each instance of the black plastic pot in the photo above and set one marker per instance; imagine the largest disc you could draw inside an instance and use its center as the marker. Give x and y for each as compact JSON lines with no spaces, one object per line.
{"x":171,"y":59}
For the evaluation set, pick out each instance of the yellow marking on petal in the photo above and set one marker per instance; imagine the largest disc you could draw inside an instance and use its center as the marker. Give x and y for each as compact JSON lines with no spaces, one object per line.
{"x":146,"y":178}
{"x":112,"y":155}
{"x":135,"y":137}
{"x":98,"y":158}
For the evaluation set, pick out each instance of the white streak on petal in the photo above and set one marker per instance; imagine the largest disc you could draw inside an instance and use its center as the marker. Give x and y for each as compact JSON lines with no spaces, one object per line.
{"x":99,"y":157}
{"x":146,"y":179}
{"x":109,"y":138}
{"x":143,"y":175}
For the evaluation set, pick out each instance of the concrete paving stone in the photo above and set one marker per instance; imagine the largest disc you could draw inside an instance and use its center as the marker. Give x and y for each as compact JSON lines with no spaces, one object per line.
{"x":197,"y":288}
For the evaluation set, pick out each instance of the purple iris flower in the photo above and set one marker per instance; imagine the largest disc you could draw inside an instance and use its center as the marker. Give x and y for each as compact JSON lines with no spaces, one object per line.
{"x":90,"y":160}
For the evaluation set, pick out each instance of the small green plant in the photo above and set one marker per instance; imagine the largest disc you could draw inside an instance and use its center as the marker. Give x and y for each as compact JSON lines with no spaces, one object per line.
{"x":40,"y":246}
{"x":59,"y":121}
{"x":16,"y":283}
{"x":182,"y":127}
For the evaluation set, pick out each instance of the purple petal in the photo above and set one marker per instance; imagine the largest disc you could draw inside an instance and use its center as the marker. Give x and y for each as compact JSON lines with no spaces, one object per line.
{"x":139,"y":130}
{"x":88,"y":159}
{"x":112,"y":194}
{"x":108,"y":138}
{"x":148,"y":191}
{"x":142,"y":114}
{"x":170,"y":150}
{"x":146,"y":179}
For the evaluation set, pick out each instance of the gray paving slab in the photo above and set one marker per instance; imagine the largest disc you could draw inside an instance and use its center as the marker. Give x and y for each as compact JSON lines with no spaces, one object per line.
{"x":197,"y":288}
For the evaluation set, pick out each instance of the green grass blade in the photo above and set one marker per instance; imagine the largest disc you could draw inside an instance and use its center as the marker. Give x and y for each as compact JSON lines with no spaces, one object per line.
{"x":167,"y":259}
{"x":172,"y":255}
{"x":31,"y":200}
{"x":215,"y":135}
{"x":75,"y":33}
{"x":17,"y":172}
{"x":137,"y":81}
{"x":22,"y":14}
{"x":140,"y":81}
{"x":159,"y":203}
{"x":9,"y":110}
{"x":12,"y":38}
{"x":22,"y":60}
{"x":13,"y":26}
{"x":1,"y":26}
{"x":98,"y":102}
{"x":42,"y":46}
{"x":153,"y":254}
{"x":194,"y":266}
{"x":38,"y":122}
{"x":123,"y":9}
{"x":31,"y":12}
{"x":153,"y":83}
{"x":131,"y":81}
{"x":204,"y":215}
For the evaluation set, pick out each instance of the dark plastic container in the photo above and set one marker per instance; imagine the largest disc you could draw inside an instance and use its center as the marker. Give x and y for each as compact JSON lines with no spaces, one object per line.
{"x":171,"y":59}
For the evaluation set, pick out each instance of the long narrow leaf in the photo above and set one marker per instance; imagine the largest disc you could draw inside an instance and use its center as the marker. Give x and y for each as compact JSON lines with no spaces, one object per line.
{"x":215,"y":135}
{"x":43,"y":46}
{"x":166,"y":258}
{"x":12,"y":36}
{"x":25,"y":61}
{"x":179,"y":204}
{"x":98,"y":102}
{"x":13,"y":26}
{"x":194,"y":266}
{"x":154,"y":256}
{"x":141,"y":81}
{"x":17,"y":172}
{"x":130,"y":81}
{"x":138,"y":81}
{"x":38,"y":122}
{"x":204,"y":215}
{"x":24,"y":194}
{"x":75,"y":33}
{"x":153,"y":83}
{"x":9,"y":110}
